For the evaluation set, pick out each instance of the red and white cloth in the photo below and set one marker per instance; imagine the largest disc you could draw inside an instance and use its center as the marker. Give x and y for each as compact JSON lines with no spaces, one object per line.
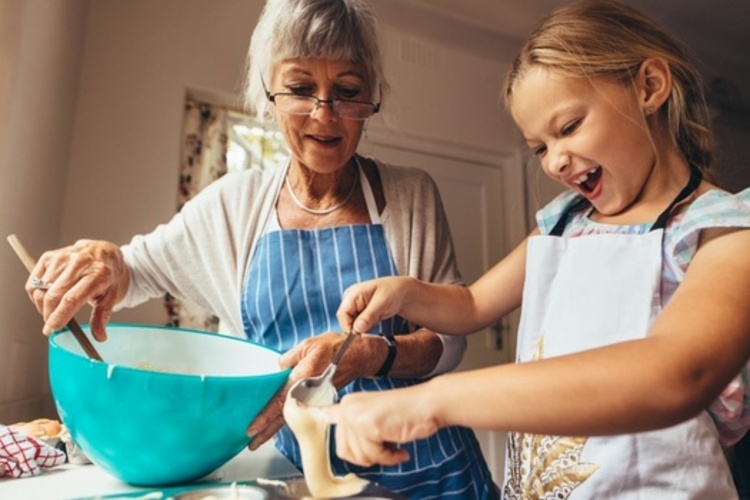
{"x":23,"y":456}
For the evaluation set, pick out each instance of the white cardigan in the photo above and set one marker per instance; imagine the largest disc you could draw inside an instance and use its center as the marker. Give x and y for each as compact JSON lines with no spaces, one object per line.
{"x":203,"y":253}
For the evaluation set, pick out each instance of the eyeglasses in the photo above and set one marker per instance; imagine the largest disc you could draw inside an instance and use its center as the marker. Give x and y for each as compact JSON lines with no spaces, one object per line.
{"x":297,"y":104}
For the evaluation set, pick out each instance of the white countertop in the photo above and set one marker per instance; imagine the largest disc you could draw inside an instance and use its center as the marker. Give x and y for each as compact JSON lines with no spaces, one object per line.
{"x":86,"y":481}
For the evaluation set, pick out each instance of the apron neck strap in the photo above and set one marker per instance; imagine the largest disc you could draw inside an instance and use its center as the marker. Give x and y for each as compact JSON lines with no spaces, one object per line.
{"x":661,"y":222}
{"x":563,"y":220}
{"x":695,"y":179}
{"x":372,"y":206}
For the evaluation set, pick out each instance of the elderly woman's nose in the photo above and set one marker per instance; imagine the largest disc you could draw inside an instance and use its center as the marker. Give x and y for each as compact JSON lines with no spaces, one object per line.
{"x":323,"y":110}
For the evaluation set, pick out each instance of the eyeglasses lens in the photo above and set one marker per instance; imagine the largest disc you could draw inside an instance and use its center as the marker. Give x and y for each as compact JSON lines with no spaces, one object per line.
{"x":305,"y":105}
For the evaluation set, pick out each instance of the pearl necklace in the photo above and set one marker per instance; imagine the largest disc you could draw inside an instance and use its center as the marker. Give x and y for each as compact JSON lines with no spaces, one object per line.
{"x":324,"y":211}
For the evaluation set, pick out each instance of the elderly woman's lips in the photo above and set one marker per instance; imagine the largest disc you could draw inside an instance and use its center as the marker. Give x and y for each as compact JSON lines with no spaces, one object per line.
{"x":324,"y":139}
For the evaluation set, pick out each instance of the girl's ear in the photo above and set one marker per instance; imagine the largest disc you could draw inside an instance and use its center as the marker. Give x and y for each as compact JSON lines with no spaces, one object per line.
{"x":654,"y":83}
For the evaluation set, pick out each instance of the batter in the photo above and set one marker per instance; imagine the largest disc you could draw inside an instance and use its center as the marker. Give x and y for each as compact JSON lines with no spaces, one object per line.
{"x":311,"y":430}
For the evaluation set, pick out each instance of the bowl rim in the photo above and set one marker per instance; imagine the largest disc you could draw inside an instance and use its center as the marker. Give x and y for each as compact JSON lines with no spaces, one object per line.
{"x":53,"y":344}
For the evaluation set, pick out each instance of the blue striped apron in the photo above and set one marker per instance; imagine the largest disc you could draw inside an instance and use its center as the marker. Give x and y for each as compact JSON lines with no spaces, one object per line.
{"x":293,"y":288}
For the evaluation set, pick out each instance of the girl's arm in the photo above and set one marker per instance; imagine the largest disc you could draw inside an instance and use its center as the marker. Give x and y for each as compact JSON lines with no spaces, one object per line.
{"x":694,"y":348}
{"x":449,"y":309}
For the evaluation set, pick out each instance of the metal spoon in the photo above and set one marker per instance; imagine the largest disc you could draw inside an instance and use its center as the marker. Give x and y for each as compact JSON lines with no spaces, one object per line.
{"x":320,"y":391}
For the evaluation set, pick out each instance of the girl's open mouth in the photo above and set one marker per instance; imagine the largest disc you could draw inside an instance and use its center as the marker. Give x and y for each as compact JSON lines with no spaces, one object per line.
{"x":588,"y":181}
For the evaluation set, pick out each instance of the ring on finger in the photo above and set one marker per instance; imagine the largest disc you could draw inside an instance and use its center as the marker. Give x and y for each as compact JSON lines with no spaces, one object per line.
{"x":40,"y":284}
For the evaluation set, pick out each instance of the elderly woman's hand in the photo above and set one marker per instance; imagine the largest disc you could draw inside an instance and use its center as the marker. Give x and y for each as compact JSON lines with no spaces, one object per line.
{"x":310,"y":358}
{"x":88,"y":271}
{"x":313,"y":355}
{"x":269,"y":420}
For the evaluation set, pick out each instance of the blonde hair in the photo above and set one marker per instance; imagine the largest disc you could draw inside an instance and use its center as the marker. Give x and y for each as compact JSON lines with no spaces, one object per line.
{"x":605,"y":38}
{"x":298,"y":29}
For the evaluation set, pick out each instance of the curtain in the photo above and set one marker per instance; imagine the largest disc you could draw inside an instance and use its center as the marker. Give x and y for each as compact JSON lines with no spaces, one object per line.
{"x":203,"y":159}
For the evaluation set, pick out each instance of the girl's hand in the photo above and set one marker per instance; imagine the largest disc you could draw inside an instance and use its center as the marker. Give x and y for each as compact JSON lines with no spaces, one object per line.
{"x":365,"y":304}
{"x":310,"y":358}
{"x":88,"y":271}
{"x":369,"y":425}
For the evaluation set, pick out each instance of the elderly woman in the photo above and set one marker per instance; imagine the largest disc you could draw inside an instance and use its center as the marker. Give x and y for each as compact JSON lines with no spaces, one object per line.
{"x":271,"y":252}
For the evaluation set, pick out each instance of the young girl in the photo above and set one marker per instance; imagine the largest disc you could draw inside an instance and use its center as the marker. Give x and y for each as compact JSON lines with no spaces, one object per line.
{"x":635,"y":286}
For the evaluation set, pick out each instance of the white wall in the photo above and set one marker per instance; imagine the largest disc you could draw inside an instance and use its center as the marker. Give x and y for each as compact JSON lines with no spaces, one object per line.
{"x":40,"y":50}
{"x":446,"y":79}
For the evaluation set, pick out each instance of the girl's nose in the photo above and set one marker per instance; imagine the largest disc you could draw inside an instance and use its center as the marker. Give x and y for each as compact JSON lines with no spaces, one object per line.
{"x":557,"y":161}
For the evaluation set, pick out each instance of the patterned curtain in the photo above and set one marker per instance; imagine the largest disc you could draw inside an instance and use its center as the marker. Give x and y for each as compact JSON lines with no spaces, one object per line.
{"x":203,"y":160}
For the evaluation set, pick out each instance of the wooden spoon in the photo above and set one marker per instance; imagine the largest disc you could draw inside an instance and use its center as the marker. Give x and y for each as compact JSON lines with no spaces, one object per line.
{"x":73,"y":325}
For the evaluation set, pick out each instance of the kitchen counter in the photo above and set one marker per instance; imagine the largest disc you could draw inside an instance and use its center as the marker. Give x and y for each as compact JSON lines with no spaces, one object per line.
{"x":89,"y":481}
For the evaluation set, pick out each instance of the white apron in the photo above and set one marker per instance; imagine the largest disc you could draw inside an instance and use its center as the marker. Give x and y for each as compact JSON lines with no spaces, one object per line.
{"x":587,"y":292}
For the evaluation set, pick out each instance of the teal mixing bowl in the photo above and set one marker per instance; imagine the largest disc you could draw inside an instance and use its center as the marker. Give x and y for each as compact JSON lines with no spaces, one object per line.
{"x":168,"y":405}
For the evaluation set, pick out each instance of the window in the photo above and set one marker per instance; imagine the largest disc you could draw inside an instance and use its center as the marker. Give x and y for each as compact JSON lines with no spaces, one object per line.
{"x":250,"y":145}
{"x":217,"y":140}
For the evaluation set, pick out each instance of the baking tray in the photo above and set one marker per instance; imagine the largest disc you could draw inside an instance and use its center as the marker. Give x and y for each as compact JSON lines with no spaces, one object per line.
{"x":261,"y":489}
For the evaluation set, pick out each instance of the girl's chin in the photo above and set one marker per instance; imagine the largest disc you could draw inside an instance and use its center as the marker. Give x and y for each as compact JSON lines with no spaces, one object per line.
{"x":611,"y":209}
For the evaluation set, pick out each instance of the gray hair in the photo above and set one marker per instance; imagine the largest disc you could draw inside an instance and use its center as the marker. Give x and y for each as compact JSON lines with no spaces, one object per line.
{"x":298,"y":29}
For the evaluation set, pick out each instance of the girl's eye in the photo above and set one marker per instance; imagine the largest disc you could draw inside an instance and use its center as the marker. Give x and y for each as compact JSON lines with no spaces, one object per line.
{"x":539,"y":151}
{"x":570,"y":127}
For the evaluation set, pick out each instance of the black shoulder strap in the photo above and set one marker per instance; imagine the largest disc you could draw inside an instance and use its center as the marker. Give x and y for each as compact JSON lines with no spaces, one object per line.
{"x":563,"y":220}
{"x":695,"y":179}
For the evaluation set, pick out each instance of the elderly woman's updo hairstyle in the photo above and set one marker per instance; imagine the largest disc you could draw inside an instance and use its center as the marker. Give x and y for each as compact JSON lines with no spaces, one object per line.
{"x":604,"y":38}
{"x":330,"y":29}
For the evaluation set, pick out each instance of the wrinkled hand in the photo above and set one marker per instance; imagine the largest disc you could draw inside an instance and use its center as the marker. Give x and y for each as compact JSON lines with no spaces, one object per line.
{"x":269,"y":420}
{"x":370,"y":424}
{"x":89,"y":271}
{"x":313,"y":355}
{"x":365,"y":304}
{"x":310,"y":358}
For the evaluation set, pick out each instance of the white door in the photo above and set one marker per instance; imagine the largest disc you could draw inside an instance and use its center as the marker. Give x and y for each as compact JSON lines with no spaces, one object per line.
{"x":484,"y":202}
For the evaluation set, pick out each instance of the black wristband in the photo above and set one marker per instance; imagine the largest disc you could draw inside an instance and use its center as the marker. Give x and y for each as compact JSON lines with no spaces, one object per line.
{"x":390,"y":357}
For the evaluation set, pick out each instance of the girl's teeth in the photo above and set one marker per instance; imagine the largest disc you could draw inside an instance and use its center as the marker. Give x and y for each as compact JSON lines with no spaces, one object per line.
{"x":585,"y":176}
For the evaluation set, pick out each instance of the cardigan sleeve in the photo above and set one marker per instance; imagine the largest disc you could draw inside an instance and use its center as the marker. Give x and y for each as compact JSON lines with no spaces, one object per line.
{"x":174,"y":259}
